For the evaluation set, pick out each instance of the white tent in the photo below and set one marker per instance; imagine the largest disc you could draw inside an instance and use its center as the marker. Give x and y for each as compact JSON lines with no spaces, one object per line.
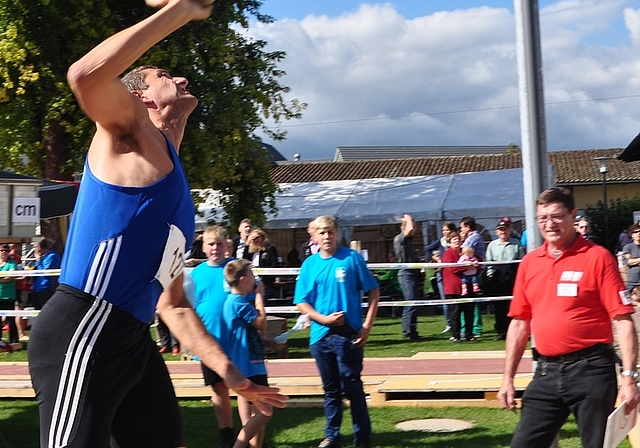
{"x":488,"y":196}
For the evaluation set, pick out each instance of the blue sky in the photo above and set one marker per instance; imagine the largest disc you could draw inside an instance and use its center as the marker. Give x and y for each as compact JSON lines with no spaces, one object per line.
{"x":410,"y":9}
{"x":299,"y":9}
{"x":435,"y":72}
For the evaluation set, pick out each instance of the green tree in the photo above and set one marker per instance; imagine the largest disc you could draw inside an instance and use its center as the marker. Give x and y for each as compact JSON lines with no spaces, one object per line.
{"x":620,"y":217}
{"x":44,"y":133}
{"x":513,"y":149}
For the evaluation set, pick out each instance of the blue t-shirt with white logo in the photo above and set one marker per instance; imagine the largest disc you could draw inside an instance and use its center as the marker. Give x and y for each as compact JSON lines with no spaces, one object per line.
{"x":245,"y":348}
{"x":210,"y":292}
{"x":334,"y":284}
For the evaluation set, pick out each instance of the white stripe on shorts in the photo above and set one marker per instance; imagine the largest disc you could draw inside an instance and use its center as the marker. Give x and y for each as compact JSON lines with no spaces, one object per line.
{"x":73,"y":373}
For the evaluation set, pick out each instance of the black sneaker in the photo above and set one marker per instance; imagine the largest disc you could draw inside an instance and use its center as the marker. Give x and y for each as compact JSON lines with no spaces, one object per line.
{"x":328,"y":443}
{"x":227,"y":438}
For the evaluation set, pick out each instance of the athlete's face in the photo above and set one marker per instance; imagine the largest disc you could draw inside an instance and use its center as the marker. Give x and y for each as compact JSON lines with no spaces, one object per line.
{"x":214,"y":249}
{"x":165,"y":89}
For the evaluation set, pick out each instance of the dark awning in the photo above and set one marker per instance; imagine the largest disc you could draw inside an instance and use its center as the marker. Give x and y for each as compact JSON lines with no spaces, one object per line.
{"x":57,"y":198}
{"x":632,"y":152}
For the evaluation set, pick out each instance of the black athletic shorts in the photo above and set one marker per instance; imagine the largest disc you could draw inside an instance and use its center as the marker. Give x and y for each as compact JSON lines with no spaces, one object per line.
{"x":210,"y":376}
{"x":97,"y":372}
{"x":261,"y":380}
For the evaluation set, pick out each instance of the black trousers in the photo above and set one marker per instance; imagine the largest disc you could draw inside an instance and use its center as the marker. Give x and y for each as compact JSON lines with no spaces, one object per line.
{"x":454,"y":313}
{"x":501,"y":309}
{"x":587,"y":388}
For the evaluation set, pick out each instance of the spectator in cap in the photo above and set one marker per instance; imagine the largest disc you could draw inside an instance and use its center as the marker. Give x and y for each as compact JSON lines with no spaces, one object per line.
{"x":501,"y":277}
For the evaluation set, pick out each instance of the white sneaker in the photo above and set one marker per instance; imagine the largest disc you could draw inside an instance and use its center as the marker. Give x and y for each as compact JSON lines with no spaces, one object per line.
{"x":447,"y":329}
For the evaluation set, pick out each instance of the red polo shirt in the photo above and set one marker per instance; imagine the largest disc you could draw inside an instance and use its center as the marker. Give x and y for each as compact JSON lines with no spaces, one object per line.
{"x":571,"y":299}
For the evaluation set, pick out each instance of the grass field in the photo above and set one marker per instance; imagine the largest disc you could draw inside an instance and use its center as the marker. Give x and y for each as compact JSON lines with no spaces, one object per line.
{"x":386,"y":338}
{"x":385,"y":341}
{"x":302,"y":428}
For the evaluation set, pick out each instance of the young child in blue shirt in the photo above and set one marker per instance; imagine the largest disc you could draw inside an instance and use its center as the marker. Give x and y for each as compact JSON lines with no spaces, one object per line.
{"x":243,"y":320}
{"x":210,"y":292}
{"x":329,"y":289}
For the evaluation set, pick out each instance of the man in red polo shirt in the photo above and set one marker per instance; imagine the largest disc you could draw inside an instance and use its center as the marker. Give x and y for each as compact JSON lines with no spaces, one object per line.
{"x":567,"y":292}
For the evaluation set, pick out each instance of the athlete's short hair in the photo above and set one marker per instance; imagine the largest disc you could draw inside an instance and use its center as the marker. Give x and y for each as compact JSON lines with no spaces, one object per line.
{"x":135,"y":79}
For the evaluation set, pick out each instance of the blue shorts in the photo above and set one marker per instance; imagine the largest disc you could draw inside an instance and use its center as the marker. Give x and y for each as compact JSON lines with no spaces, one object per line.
{"x":97,"y":373}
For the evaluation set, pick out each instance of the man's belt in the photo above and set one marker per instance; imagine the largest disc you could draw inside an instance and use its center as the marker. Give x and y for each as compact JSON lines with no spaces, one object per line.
{"x":569,"y":358}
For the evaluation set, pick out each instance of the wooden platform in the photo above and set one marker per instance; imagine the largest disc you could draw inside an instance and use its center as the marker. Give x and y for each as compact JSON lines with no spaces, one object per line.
{"x":426,"y":379}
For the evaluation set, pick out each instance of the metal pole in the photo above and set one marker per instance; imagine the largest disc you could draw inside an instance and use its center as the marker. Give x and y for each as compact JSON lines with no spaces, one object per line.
{"x":532,"y":117}
{"x":532,"y":121}
{"x":606,"y":210}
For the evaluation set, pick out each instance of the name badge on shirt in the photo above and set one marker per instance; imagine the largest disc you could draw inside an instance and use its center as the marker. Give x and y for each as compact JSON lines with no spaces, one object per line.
{"x":567,"y":290}
{"x":571,"y":276}
{"x":172,"y":258}
{"x":625,"y":297}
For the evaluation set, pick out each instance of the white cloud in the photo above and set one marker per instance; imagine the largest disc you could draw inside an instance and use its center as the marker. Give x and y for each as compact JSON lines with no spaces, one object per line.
{"x":632,"y":22}
{"x":373,"y":63}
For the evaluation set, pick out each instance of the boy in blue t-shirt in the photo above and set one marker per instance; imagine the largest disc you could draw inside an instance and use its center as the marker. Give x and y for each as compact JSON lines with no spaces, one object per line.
{"x":245,"y":349}
{"x":329,"y":289}
{"x":210,"y":292}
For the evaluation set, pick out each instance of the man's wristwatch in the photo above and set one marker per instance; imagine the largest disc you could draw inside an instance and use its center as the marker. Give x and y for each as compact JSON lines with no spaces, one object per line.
{"x":632,"y":373}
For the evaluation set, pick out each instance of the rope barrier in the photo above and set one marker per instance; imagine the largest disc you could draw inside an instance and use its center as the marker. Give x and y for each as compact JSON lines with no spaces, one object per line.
{"x":376,"y":266}
{"x":291,"y":309}
{"x":21,"y":313}
{"x":274,"y":271}
{"x":31,"y":273}
{"x":292,"y":271}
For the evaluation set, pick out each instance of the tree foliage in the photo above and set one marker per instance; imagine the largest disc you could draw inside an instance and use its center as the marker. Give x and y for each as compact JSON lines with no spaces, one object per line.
{"x":619,"y":214}
{"x":44,"y":133}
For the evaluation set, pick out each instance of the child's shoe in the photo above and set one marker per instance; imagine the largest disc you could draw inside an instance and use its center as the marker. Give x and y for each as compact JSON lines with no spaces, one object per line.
{"x":476,"y":288}
{"x":464,"y":290}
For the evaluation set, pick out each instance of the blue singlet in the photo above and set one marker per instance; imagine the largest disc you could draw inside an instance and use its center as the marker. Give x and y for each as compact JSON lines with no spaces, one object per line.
{"x":118,"y":234}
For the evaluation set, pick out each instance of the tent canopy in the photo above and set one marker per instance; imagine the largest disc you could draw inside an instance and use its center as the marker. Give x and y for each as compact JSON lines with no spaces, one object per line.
{"x":487,"y":196}
{"x":58,"y":198}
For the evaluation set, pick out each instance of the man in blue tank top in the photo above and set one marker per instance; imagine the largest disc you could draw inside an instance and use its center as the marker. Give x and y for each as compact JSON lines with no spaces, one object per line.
{"x":96,"y":372}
